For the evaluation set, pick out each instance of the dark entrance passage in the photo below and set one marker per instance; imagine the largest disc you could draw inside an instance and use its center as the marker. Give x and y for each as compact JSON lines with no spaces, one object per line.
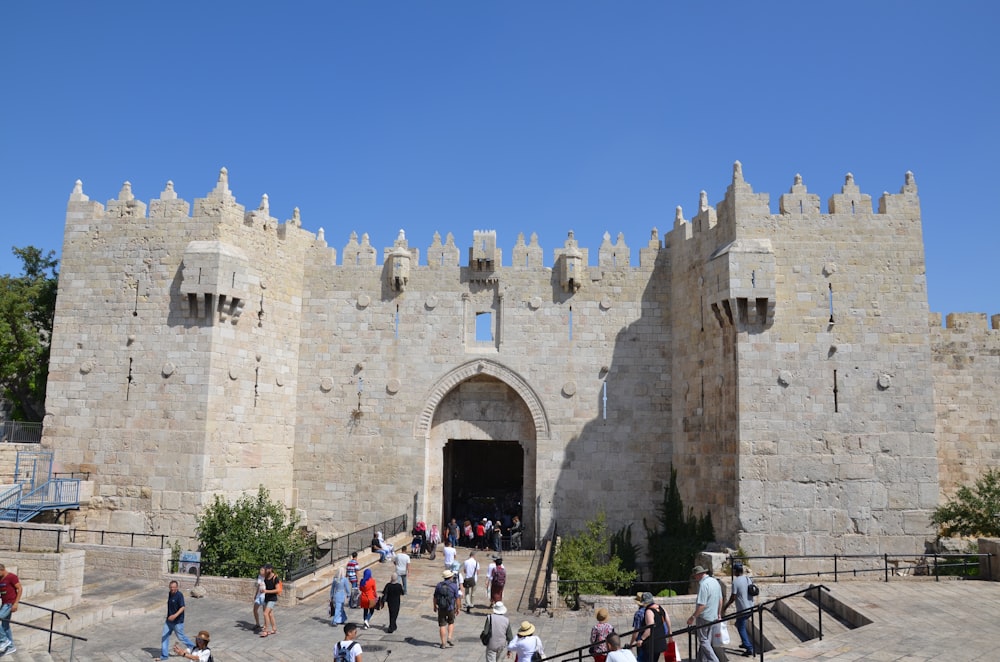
{"x":483,"y":479}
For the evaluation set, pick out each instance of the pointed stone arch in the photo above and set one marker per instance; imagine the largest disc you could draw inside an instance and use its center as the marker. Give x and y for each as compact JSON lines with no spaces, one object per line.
{"x":481,"y":367}
{"x":435,"y":436}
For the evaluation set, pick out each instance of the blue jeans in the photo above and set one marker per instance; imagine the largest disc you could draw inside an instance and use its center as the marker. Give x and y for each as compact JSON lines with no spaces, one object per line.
{"x":176,"y":628}
{"x":741,"y":627}
{"x":5,"y":635}
{"x":402,"y":580}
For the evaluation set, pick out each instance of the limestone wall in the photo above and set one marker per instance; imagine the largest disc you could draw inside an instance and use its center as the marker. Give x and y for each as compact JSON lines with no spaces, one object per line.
{"x":112,"y":560}
{"x":966,"y":397}
{"x":204,"y":350}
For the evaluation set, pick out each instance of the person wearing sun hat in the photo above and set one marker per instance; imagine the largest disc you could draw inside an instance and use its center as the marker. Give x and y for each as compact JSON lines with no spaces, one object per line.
{"x":497,"y":626}
{"x":200,"y":651}
{"x":708,"y":609}
{"x":599,"y":635}
{"x":527,"y":644}
{"x":446,"y":605}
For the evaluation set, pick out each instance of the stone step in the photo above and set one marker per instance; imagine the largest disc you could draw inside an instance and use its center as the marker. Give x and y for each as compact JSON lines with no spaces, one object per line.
{"x":778,"y":634}
{"x":804,"y":615}
{"x":122,"y":598}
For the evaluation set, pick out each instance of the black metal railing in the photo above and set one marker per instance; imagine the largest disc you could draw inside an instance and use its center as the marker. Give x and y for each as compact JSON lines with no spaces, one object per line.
{"x":82,"y":475}
{"x":342,"y":547}
{"x":52,"y":626}
{"x":859,"y":565}
{"x":20,"y":432}
{"x":583,"y":652}
{"x":117,"y":538}
{"x":36,"y":539}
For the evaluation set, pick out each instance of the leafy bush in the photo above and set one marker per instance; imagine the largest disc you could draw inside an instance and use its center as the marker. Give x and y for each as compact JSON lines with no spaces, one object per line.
{"x":236,"y":539}
{"x":587,"y":558}
{"x":974,"y":511}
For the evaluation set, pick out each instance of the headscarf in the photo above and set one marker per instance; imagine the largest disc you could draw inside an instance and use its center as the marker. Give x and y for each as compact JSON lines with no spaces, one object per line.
{"x":395,"y":579}
{"x":435,"y":535}
{"x":367,"y":575}
{"x":378,"y":535}
{"x":341,"y":572}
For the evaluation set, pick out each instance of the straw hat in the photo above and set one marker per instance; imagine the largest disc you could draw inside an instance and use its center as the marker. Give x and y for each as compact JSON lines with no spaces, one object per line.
{"x":447,"y":574}
{"x":602,"y":614}
{"x":526,"y":629}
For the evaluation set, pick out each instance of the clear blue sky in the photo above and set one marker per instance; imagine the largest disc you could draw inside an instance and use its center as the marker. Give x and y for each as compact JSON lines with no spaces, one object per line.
{"x":516,"y":116}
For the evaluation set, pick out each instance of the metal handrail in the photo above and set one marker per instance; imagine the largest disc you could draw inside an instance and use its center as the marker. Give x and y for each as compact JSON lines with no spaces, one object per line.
{"x":888,"y":567}
{"x":583,"y":652}
{"x":131,"y":534}
{"x":342,"y":547}
{"x":52,"y":627}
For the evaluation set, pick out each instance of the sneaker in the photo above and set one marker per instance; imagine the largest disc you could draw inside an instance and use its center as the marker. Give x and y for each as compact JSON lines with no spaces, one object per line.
{"x":6,"y":647}
{"x":12,"y":649}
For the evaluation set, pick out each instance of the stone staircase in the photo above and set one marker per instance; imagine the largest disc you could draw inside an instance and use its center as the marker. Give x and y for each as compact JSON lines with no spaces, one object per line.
{"x":102,"y":601}
{"x":796,"y":620}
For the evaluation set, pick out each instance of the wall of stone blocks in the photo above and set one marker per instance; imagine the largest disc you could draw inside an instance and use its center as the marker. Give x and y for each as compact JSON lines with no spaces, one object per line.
{"x":27,"y":536}
{"x":114,"y":561}
{"x":61,"y":572}
{"x":966,"y":354}
{"x":337,"y":383}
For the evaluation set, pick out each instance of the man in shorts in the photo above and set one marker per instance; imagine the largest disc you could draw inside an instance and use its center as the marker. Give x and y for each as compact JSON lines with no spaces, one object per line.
{"x":446,"y":605}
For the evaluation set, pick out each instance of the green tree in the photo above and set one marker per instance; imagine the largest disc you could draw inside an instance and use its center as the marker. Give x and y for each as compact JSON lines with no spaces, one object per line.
{"x":677,"y":539}
{"x":587,"y":558}
{"x":27,"y":308}
{"x":973,"y":511}
{"x":237,"y":538}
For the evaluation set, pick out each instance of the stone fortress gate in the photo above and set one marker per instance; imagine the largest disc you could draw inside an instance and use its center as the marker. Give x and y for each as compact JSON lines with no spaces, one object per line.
{"x":785,"y":363}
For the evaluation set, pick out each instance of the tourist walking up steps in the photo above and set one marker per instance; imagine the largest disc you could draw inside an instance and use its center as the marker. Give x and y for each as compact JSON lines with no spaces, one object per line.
{"x":744,"y":603}
{"x":174,"y":623}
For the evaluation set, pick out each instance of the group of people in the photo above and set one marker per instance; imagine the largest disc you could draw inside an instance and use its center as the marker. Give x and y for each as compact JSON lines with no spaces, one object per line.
{"x":485,"y":534}
{"x":267,"y":588}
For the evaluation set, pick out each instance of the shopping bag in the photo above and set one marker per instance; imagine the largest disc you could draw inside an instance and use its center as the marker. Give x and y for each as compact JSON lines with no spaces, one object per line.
{"x":720,"y":635}
{"x":670,"y":655}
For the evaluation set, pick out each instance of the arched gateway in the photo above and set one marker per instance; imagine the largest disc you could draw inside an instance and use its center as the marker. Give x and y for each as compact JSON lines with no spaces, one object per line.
{"x":481,"y":426}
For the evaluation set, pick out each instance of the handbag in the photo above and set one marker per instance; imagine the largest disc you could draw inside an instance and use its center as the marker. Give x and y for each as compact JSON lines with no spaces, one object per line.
{"x":670,"y":655}
{"x":487,"y":632}
{"x":720,"y":634}
{"x":380,"y":602}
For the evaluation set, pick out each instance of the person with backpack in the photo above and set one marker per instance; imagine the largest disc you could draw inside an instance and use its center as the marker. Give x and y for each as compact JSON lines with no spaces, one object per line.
{"x":654,"y":639}
{"x":743,"y":596}
{"x":497,"y":580}
{"x":200,"y":651}
{"x":446,"y":605}
{"x":348,"y":650}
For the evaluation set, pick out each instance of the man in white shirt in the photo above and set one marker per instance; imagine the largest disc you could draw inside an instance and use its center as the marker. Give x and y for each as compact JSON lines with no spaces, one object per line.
{"x":348,"y":649}
{"x":470,"y":570}
{"x":615,"y":651}
{"x":449,"y":552}
{"x":402,"y":566}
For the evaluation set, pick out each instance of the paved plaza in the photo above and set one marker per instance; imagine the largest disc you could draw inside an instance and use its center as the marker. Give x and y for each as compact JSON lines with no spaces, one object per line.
{"x":914,"y":620}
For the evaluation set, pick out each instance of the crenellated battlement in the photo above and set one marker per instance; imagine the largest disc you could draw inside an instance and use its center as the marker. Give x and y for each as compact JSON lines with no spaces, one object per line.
{"x":739,"y":207}
{"x":969,"y":324}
